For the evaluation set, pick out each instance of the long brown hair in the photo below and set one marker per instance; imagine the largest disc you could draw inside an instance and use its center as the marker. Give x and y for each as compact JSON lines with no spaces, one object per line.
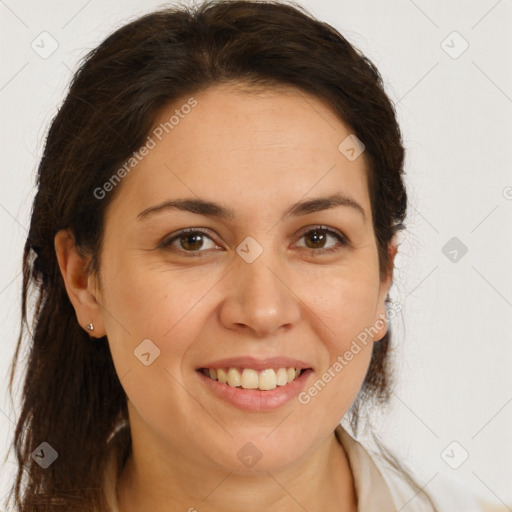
{"x":72,"y":397}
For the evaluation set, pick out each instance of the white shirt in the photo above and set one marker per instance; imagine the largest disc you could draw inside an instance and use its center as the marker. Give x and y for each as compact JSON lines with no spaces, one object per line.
{"x":378,"y":487}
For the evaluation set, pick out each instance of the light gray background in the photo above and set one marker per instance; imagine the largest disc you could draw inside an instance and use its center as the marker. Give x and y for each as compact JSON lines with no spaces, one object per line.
{"x":455,"y":351}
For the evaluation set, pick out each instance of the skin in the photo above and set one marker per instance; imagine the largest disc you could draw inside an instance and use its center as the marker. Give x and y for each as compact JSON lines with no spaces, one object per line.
{"x":257,"y":152}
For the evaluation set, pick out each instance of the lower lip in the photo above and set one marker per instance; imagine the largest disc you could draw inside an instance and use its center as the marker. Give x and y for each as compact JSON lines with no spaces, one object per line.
{"x":255,"y":399}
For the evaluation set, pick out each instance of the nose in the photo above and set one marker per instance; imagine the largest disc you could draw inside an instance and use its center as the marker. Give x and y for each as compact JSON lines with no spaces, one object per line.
{"x":259,"y":299}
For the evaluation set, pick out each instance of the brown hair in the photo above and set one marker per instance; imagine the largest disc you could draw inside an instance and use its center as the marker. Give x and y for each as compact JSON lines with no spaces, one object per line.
{"x":72,"y":397}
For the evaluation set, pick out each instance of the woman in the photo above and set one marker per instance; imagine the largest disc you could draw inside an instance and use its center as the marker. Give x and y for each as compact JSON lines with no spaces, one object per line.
{"x":213,"y":240}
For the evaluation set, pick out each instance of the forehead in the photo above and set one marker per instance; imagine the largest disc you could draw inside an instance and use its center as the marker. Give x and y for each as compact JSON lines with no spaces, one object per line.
{"x":245,"y":145}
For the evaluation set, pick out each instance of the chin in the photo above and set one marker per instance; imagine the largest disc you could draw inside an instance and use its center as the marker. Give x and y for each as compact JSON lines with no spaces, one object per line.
{"x":257,"y":454}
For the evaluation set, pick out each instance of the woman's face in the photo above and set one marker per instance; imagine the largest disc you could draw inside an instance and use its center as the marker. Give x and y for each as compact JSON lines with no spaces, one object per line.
{"x":253,"y":287}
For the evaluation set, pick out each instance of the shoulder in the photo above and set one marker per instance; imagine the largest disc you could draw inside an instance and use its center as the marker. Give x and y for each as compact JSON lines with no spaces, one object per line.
{"x":375,"y":473}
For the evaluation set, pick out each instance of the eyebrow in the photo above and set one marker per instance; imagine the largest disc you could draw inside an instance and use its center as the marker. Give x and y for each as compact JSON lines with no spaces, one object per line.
{"x":211,"y":209}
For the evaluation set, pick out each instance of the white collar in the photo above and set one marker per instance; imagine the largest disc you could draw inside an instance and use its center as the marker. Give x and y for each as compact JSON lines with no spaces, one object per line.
{"x":371,"y":488}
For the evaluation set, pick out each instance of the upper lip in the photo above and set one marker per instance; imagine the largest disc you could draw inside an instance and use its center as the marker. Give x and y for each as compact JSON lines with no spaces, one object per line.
{"x":257,"y":364}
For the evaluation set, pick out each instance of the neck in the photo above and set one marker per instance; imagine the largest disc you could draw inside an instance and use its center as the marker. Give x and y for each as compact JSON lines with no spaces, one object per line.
{"x":322,"y":481}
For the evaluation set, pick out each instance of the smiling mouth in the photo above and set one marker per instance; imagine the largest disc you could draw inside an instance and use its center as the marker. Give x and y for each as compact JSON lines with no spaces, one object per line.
{"x":247,"y":378}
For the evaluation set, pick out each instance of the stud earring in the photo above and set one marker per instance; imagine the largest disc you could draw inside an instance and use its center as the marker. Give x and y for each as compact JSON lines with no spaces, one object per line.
{"x":89,"y":327}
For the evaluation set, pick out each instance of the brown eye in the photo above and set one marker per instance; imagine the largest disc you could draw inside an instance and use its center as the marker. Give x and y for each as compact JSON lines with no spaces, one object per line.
{"x":191,"y":241}
{"x":317,"y":238}
{"x":188,"y":241}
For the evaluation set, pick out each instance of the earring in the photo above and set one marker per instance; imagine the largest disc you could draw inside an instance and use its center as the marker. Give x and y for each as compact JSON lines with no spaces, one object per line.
{"x":89,"y":327}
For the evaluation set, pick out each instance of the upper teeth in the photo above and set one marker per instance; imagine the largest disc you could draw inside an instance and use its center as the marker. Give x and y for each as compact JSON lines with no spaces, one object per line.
{"x":251,"y":379}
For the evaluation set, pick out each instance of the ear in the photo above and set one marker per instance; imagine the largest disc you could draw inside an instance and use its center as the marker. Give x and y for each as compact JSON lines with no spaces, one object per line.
{"x":380,"y":322}
{"x":80,"y":286}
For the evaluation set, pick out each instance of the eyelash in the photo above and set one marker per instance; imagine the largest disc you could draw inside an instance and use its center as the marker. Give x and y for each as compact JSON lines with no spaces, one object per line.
{"x":166,"y":243}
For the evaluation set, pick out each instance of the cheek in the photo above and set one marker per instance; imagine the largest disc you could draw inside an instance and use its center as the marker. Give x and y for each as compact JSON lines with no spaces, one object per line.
{"x":151,"y":299}
{"x":143,"y":303}
{"x":347,"y":312}
{"x":346,"y":305}
{"x":346,"y":301}
{"x":159,"y":306}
